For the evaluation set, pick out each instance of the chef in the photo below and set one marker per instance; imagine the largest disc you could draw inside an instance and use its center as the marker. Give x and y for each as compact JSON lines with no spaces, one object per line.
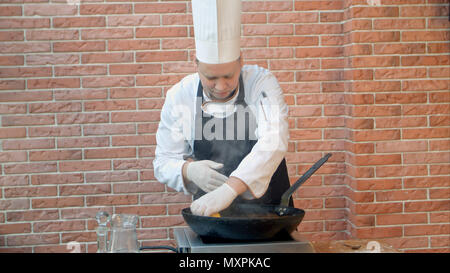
{"x":223,"y":131}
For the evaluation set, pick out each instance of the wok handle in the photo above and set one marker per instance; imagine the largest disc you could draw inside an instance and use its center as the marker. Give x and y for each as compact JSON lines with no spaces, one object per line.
{"x":287,"y":195}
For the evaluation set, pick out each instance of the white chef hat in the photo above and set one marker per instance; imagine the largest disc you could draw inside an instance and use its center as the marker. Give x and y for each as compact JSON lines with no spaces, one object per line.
{"x":217,"y":27}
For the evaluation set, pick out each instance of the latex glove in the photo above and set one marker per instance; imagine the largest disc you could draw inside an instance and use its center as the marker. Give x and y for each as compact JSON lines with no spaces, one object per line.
{"x":203,"y":173}
{"x":215,"y":201}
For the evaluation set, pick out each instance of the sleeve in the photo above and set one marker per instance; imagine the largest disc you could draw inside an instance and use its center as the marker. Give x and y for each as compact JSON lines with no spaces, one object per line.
{"x":257,"y":168}
{"x":171,"y":144}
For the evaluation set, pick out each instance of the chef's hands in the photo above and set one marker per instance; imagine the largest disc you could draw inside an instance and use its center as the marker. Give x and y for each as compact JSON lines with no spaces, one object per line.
{"x":219,"y":199}
{"x":215,"y":201}
{"x":203,"y":173}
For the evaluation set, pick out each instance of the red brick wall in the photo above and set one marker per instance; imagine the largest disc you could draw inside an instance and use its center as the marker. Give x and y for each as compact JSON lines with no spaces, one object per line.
{"x":397,"y":123}
{"x":82,"y":86}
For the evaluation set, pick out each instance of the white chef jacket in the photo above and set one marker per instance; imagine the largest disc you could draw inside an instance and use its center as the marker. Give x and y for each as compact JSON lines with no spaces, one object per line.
{"x":175,"y":135}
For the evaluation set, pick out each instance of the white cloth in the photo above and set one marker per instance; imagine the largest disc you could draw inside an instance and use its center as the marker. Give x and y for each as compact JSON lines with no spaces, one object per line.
{"x":176,"y":131}
{"x":217,"y":30}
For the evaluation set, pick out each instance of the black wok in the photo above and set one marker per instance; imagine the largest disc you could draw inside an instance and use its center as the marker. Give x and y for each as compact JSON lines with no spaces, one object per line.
{"x":253,"y":221}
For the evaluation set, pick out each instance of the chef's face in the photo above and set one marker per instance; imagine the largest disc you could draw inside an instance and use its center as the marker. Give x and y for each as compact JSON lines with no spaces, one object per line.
{"x":219,"y":80}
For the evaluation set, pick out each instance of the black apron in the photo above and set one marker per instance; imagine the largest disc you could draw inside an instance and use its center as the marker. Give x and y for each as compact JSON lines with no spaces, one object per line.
{"x":232,"y":152}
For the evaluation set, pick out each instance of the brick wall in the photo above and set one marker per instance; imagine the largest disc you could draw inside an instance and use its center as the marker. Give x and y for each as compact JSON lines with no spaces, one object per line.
{"x":82,"y":86}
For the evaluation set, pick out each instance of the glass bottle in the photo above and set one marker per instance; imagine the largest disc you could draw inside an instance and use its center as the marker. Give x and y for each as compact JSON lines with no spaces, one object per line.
{"x":123,"y":233}
{"x":103,"y":219}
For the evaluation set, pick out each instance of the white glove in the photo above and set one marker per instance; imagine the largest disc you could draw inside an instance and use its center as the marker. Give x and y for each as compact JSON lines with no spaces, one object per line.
{"x":214,"y":201}
{"x":203,"y":173}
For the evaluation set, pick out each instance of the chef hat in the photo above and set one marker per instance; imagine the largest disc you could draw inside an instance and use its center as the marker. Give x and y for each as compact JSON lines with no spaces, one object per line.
{"x":217,"y":27}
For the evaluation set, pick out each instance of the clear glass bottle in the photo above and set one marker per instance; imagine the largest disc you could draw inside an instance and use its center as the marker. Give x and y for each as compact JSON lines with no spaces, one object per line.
{"x":123,"y":234}
{"x":103,"y":219}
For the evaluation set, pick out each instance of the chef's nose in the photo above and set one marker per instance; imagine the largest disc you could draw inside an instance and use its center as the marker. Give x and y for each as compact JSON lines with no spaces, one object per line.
{"x":221,"y":84}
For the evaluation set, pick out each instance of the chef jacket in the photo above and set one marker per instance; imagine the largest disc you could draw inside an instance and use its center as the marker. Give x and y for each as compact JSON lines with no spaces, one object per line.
{"x":176,"y":132}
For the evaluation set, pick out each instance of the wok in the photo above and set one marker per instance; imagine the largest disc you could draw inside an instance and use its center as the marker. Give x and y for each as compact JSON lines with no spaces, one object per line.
{"x":253,"y":221}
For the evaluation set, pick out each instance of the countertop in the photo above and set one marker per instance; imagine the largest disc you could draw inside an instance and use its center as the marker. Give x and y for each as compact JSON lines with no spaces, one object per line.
{"x":354,"y":246}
